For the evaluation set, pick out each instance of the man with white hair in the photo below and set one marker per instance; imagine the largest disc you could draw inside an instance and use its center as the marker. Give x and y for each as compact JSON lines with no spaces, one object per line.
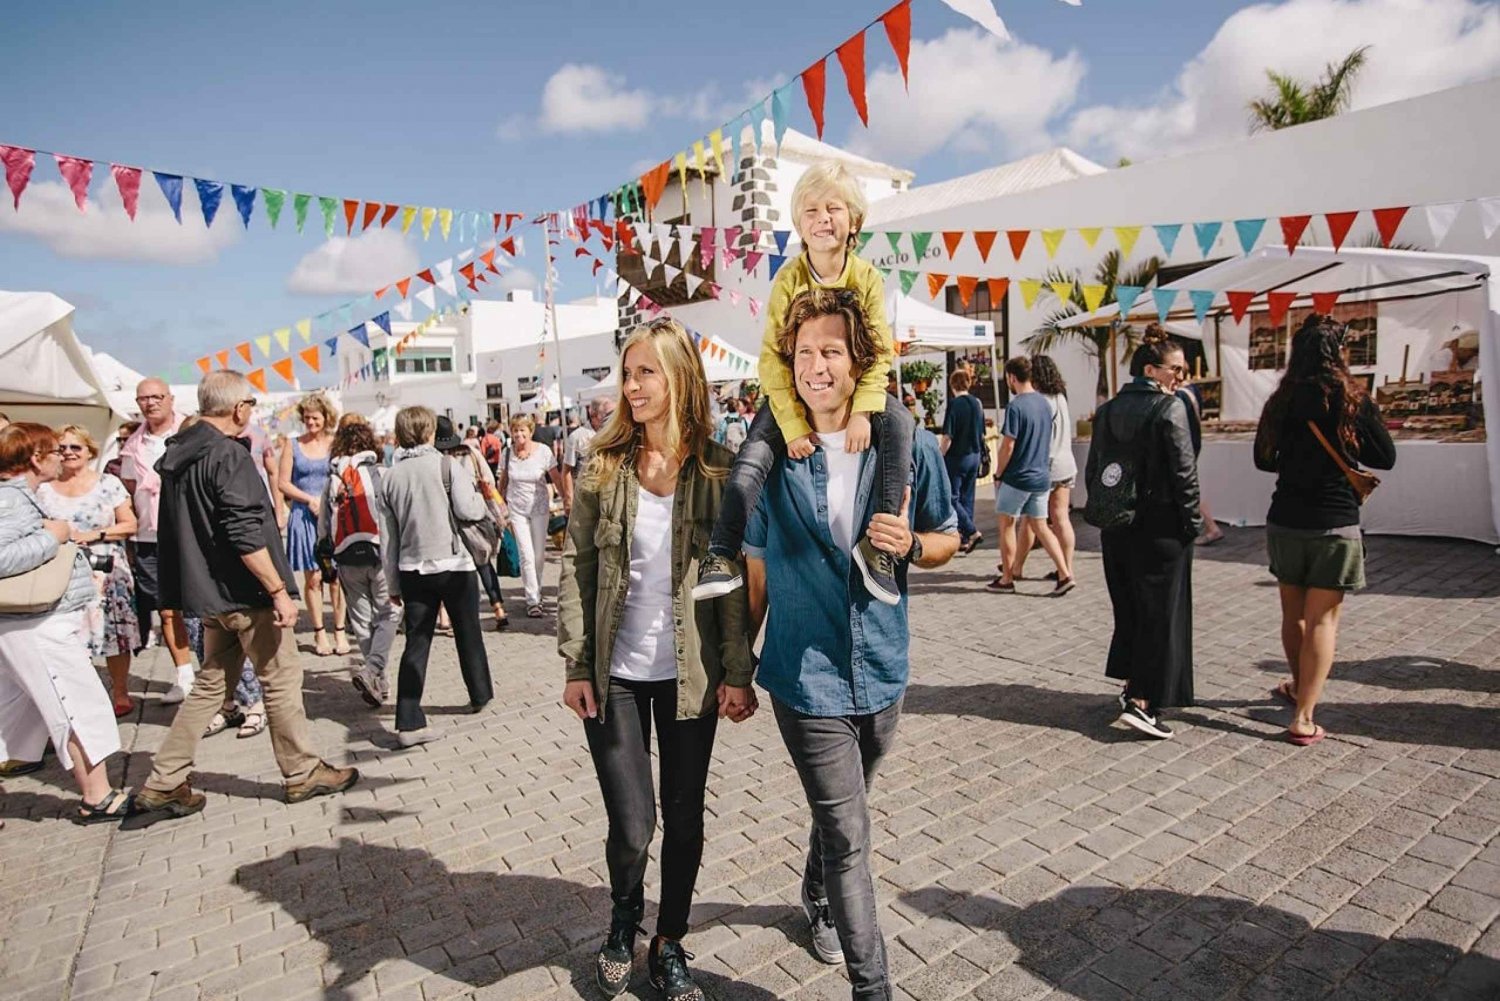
{"x":222,"y":560}
{"x":576,"y":447}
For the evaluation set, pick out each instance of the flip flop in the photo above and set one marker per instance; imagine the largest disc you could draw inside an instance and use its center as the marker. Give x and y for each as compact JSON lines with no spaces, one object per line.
{"x":1281,"y":692}
{"x":1305,"y":739}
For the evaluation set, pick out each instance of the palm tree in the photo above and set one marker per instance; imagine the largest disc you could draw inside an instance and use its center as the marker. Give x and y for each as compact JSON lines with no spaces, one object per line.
{"x":1093,"y":340}
{"x":1296,"y":102}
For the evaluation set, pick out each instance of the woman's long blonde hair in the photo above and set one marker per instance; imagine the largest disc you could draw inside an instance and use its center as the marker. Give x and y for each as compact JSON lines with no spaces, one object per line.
{"x":689,"y":426}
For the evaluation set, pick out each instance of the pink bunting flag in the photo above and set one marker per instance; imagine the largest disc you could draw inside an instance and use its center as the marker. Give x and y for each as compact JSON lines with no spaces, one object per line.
{"x":18,"y":163}
{"x":76,"y":171}
{"x":706,"y":243}
{"x":752,"y":258}
{"x":128,"y":180}
{"x":754,"y":306}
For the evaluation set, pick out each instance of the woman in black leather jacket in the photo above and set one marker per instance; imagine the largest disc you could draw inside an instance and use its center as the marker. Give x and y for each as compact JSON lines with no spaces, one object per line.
{"x":1148,"y":564}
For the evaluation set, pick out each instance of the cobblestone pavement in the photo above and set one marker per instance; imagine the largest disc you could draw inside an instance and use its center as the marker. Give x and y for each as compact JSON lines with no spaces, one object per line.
{"x":1024,"y":846}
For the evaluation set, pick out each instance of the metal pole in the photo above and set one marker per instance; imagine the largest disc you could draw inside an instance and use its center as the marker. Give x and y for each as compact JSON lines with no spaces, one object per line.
{"x":562,"y":409}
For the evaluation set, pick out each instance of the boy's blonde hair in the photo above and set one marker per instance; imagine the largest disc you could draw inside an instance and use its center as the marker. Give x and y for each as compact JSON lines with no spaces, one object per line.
{"x":831,"y":175}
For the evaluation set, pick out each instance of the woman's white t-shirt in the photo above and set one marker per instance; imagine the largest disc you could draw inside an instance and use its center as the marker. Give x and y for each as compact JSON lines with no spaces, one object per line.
{"x":645,"y":646}
{"x":526,"y":483}
{"x":1063,"y":466}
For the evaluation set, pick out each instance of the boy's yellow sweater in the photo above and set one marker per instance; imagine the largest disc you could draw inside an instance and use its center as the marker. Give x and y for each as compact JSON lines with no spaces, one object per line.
{"x":776,"y":380}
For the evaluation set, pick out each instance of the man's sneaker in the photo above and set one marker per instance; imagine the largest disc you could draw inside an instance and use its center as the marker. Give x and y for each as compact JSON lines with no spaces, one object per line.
{"x":998,"y":586}
{"x":1063,"y":586}
{"x":616,"y":957}
{"x":717,"y":575}
{"x":179,"y":802}
{"x":1145,"y":722}
{"x":411,"y":738}
{"x":878,"y":568}
{"x":825,"y":937}
{"x":180,"y":690}
{"x":325,"y":780}
{"x":666,"y":962}
{"x":367,"y":684}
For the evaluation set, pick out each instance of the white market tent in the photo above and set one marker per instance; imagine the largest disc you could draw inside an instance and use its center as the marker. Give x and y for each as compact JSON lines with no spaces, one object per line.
{"x":918,"y":324}
{"x":46,"y":375}
{"x":1421,"y":301}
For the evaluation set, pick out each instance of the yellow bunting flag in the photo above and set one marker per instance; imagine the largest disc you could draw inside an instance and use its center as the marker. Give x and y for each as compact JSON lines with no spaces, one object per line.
{"x":1030,"y":289}
{"x":1127,"y":235}
{"x":283,"y":337}
{"x":1091,"y":235}
{"x":715,"y":140}
{"x":682,"y":177}
{"x":1093,"y":296}
{"x":304,"y":330}
{"x":698,"y":155}
{"x":408,"y":213}
{"x":428,"y":214}
{"x":445,"y":221}
{"x":1063,"y":290}
{"x":1051,"y":239}
{"x":264,"y":343}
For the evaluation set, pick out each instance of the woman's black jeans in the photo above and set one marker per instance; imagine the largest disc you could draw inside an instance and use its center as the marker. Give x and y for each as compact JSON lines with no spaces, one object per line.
{"x":891,"y":431}
{"x":458,"y":592}
{"x":621,"y":748}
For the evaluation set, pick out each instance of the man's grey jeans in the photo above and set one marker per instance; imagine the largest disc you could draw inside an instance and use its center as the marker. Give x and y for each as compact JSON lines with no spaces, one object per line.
{"x":836,"y":758}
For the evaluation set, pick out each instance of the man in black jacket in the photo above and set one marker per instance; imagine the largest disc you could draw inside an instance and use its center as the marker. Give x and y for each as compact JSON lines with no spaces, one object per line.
{"x":222,"y":561}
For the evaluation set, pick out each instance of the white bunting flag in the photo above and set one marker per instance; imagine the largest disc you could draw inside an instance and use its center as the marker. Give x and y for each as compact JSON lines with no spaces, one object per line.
{"x":1440,"y":220}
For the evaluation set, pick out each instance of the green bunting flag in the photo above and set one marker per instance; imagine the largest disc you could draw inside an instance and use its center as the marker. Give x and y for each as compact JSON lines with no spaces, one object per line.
{"x":919,"y":242}
{"x":299,"y":206}
{"x":274,"y":199}
{"x":895,"y":238}
{"x":908,"y":279}
{"x":864,"y":238}
{"x":329,"y":207}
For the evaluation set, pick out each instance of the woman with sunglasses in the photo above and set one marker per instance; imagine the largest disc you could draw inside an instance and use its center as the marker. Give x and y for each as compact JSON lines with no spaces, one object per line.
{"x":1148,"y":564}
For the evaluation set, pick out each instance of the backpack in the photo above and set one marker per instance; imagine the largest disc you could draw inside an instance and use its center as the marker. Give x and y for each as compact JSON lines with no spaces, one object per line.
{"x":481,"y":538}
{"x":1117,"y":466}
{"x":354,"y":519}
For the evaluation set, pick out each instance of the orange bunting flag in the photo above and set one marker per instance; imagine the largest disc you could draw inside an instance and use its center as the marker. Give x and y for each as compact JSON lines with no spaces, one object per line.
{"x":372,"y":209}
{"x":998,"y":287}
{"x":222,"y":358}
{"x":654,"y":182}
{"x":283,"y":368}
{"x":257,"y":378}
{"x":897,"y":22}
{"x":403,"y":286}
{"x":351,"y":209}
{"x":935,"y":283}
{"x":1017,"y":238}
{"x":966,"y":286}
{"x":488,"y":260}
{"x":1277,"y":303}
{"x":852,"y":59}
{"x":205,"y":364}
{"x":309,"y":357}
{"x":244,"y":350}
{"x":388,"y":214}
{"x":984,"y":240}
{"x":380,"y":292}
{"x":951,"y":241}
{"x":814,"y":82}
{"x":1323,"y":302}
{"x":1339,"y":224}
{"x":1292,"y":227}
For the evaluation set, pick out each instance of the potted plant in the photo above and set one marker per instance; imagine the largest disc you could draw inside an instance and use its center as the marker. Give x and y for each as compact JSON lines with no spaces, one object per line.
{"x":919,"y":374}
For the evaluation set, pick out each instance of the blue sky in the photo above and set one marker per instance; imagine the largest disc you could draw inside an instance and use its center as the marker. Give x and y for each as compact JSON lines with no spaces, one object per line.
{"x":464,"y":105}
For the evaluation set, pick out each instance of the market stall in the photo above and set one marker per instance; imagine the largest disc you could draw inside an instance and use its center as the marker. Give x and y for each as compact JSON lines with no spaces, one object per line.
{"x":918,"y":327}
{"x":46,"y":375}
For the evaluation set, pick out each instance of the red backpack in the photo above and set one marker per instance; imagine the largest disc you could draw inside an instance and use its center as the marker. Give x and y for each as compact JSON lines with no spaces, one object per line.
{"x":356,"y":531}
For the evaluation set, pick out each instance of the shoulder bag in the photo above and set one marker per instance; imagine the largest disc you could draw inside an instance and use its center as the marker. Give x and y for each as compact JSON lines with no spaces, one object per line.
{"x":1364,"y":483}
{"x":481,"y":538}
{"x":37,"y":590}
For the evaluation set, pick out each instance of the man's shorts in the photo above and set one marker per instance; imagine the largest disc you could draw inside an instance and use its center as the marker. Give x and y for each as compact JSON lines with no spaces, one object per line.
{"x":144,"y":567}
{"x":1016,"y":503}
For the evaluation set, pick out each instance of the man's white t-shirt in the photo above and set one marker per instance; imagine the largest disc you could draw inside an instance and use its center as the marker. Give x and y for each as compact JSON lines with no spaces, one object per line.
{"x":645,"y":645}
{"x":155,"y":446}
{"x":576,"y":447}
{"x":843,"y":482}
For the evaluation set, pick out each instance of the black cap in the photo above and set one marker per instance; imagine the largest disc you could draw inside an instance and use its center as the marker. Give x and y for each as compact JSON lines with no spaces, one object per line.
{"x":447,"y":438}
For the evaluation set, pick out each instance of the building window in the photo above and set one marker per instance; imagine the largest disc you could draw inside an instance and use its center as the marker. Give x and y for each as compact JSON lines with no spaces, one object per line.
{"x":423,"y":361}
{"x":494,"y":391}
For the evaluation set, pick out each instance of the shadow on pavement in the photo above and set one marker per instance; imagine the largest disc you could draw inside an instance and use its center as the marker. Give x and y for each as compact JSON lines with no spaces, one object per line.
{"x":1103,"y":943}
{"x":1406,"y":674}
{"x":1080,"y":712}
{"x":370,"y":903}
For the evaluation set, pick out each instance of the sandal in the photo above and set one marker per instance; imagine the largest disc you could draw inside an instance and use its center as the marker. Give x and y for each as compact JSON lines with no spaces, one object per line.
{"x":341,"y":643}
{"x":533,"y":611}
{"x":1306,"y":739}
{"x":254,"y":723}
{"x":320,"y":643}
{"x":1285,"y":693}
{"x":223,"y":720}
{"x":113,"y":808}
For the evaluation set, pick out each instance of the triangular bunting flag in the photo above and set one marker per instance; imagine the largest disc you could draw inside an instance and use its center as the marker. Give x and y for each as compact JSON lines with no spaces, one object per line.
{"x":1339,"y":224}
{"x":333,"y":345}
{"x":1063,"y":290}
{"x":813,"y":84}
{"x":329,"y":207}
{"x":1090,"y":235}
{"x":244,"y":351}
{"x":372,"y":209}
{"x":984,"y":239}
{"x":1030,"y":289}
{"x":309,"y":357}
{"x":128,"y":180}
{"x":351,"y":209}
{"x":209,"y":195}
{"x":1387,"y":221}
{"x":1126,"y":236}
{"x":1489,"y":215}
{"x":1202,"y":299}
{"x":244,"y":200}
{"x":426,"y":275}
{"x":919,"y":242}
{"x":264,"y":343}
{"x":1277,"y":303}
{"x":897,"y":22}
{"x":966,"y":286}
{"x":383,"y":321}
{"x":776,"y":261}
{"x":222,"y":357}
{"x":359,"y":333}
{"x":283,"y":368}
{"x":171,"y":189}
{"x":408,"y":213}
{"x":1239,"y":304}
{"x":257,"y":378}
{"x":1323,"y":302}
{"x":1017,"y":238}
{"x":1052,"y":239}
{"x":1248,"y":230}
{"x":299,"y":209}
{"x":935,"y":283}
{"x":428,"y":215}
{"x":951,"y":242}
{"x":998,"y":287}
{"x":907,"y":280}
{"x":894,"y":238}
{"x":1440,"y":219}
{"x":1207,"y":233}
{"x":852,"y":58}
{"x":1292,"y":228}
{"x":19,"y":163}
{"x":1164,"y":297}
{"x":387,"y":213}
{"x":1093,"y":296}
{"x":283,"y":337}
{"x":76,"y":171}
{"x":205,"y":364}
{"x":1125,"y":296}
{"x":273,"y":199}
{"x":445,"y":221}
{"x":304,"y":330}
{"x":1166,"y":235}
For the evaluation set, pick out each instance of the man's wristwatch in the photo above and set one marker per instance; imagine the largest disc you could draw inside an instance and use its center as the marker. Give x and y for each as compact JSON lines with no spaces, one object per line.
{"x":915,"y":552}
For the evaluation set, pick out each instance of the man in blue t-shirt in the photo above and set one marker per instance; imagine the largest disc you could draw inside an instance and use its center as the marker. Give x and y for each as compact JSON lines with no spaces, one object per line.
{"x":1022,"y":470}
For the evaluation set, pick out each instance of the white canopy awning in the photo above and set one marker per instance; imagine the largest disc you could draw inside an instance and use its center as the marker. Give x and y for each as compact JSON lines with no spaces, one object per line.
{"x":46,"y":375}
{"x":916,"y":322}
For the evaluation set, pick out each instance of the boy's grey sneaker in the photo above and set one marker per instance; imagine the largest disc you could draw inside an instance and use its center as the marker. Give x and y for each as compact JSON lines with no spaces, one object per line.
{"x":367,"y":684}
{"x":717,"y":575}
{"x":878,"y":568}
{"x":825,"y":937}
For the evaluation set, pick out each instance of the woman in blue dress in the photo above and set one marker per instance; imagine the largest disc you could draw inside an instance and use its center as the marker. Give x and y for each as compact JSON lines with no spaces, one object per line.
{"x":301,"y":478}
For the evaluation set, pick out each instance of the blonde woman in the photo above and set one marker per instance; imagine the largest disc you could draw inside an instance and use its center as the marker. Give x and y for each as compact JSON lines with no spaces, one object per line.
{"x":301,"y":478}
{"x":525,"y":475}
{"x":639,"y":649}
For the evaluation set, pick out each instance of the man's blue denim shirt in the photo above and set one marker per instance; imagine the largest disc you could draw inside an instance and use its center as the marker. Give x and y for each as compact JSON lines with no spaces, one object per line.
{"x":831,"y":649}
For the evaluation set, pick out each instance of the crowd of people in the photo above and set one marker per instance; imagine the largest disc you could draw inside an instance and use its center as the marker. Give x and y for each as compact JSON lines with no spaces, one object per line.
{"x":688,"y":537}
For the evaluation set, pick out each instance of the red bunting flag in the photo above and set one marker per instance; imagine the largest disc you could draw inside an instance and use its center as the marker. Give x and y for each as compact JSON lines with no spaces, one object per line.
{"x":998,"y":287}
{"x":257,"y":378}
{"x":128,"y":180}
{"x":654,"y":182}
{"x":1339,"y":224}
{"x":403,"y":286}
{"x":1292,"y":228}
{"x":1239,"y":304}
{"x":372,"y":209}
{"x":244,"y":350}
{"x":1323,"y":302}
{"x":814,"y":82}
{"x":468,"y":272}
{"x":511,"y":217}
{"x":984,"y":240}
{"x":1277,"y":303}
{"x":1386,"y":221}
{"x":18,"y":163}
{"x":966,"y":286}
{"x":351,"y":209}
{"x":309,"y":357}
{"x":205,"y":364}
{"x":597,"y":265}
{"x":488,"y":260}
{"x":852,"y":58}
{"x":389,"y":214}
{"x":76,"y":171}
{"x":1017,"y":238}
{"x":222,"y":358}
{"x":283,"y":368}
{"x":951,"y":241}
{"x":897,"y":22}
{"x":496,"y":227}
{"x":935,"y":283}
{"x":426,"y":275}
{"x":509,"y":244}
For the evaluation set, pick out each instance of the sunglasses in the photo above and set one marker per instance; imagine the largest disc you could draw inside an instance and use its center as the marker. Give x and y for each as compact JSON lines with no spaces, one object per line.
{"x":65,"y":449}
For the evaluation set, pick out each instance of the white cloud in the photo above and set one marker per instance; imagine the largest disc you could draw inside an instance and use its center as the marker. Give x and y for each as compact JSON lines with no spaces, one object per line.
{"x":517,"y":278}
{"x":1417,"y":46}
{"x":583,"y":98}
{"x":358,"y":264}
{"x":105,"y":232}
{"x":971,"y":92}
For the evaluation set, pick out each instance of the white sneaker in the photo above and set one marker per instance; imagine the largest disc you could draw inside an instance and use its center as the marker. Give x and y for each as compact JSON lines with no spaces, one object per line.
{"x":411,"y":738}
{"x":180,"y":690}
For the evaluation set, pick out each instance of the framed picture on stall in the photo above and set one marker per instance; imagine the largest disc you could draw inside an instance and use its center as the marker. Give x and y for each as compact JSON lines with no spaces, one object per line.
{"x":1210,"y":397}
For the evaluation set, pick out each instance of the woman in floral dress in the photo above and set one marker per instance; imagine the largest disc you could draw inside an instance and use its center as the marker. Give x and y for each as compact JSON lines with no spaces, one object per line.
{"x":100,"y":511}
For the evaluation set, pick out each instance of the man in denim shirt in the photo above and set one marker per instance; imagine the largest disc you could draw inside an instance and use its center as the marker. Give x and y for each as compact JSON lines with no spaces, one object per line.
{"x":834,"y":661}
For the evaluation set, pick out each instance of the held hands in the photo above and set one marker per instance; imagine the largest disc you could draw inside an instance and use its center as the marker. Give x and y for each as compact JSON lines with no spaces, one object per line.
{"x":801,"y":448}
{"x":737,"y":704}
{"x":890,"y":532}
{"x":858,"y":437}
{"x":579,"y":697}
